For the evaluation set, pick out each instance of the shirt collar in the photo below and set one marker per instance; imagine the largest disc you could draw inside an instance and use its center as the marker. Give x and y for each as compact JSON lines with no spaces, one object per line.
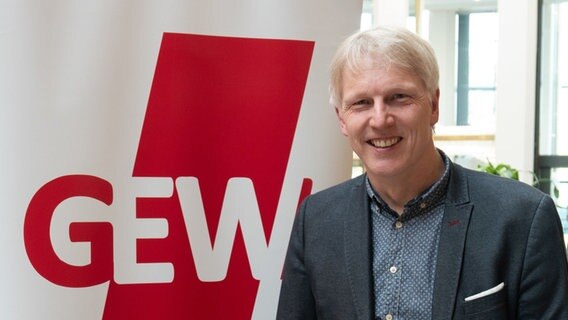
{"x":424,"y":202}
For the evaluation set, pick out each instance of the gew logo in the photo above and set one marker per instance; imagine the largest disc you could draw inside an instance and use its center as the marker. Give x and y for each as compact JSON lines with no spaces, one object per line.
{"x":211,"y":162}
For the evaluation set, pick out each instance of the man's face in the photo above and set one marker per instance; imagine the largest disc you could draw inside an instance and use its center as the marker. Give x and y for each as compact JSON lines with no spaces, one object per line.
{"x":387,"y":115}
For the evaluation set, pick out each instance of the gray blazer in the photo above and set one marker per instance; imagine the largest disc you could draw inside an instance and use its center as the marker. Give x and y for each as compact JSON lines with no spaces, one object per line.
{"x":494,"y":231}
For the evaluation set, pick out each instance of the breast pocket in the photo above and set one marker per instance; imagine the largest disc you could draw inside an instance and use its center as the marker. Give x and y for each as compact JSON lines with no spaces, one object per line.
{"x":493,"y":306}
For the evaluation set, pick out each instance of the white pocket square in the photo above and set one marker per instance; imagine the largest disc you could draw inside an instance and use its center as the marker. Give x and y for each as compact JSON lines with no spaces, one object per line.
{"x":485,"y":293}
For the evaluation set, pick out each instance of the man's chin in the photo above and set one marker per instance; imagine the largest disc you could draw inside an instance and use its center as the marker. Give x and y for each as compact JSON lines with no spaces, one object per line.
{"x":384,"y":169}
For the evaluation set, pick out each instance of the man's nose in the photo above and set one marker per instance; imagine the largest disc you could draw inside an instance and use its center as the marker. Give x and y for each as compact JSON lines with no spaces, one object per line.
{"x":381,"y":115}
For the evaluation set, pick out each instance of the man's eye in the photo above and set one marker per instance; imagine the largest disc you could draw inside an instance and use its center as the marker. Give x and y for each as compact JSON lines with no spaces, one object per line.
{"x":362,"y":102}
{"x":400,"y":98}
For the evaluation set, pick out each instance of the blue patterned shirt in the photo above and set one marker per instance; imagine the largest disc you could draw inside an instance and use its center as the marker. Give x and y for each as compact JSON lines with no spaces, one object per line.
{"x":405,"y":249}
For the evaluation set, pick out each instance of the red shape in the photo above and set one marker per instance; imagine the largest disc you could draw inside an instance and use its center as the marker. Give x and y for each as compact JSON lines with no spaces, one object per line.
{"x":219,"y":108}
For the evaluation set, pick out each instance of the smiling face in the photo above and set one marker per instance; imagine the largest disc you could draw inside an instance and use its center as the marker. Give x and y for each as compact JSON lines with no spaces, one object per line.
{"x":387,"y":115}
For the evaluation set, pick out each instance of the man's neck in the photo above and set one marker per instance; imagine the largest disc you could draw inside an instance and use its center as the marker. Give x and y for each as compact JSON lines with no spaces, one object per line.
{"x":398,"y":190}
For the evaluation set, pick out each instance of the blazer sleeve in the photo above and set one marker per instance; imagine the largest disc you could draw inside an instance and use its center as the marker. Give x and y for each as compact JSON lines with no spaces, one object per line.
{"x":544,"y":284}
{"x":296,"y":298}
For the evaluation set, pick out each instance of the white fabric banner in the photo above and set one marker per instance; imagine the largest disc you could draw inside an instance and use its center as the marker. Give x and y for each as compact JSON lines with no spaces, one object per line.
{"x":154,"y":152}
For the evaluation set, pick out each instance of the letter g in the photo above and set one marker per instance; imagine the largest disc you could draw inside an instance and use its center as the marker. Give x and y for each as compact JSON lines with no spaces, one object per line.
{"x":37,"y":239}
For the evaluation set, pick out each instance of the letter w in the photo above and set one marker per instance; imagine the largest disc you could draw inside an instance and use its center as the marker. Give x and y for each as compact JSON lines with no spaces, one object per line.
{"x":240,"y":206}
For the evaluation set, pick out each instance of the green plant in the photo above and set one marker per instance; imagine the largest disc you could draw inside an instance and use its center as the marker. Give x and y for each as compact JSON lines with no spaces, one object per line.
{"x":503,"y":170}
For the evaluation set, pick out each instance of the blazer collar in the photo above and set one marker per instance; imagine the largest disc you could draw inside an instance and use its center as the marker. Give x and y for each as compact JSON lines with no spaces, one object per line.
{"x":357,"y":253}
{"x":451,"y":244}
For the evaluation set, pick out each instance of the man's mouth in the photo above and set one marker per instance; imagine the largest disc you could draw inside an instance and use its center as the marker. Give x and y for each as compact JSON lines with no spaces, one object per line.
{"x":384,"y":143}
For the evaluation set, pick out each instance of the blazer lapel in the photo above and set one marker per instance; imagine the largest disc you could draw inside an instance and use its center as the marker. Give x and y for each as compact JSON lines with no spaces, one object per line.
{"x":357,"y":251}
{"x":451,"y":245}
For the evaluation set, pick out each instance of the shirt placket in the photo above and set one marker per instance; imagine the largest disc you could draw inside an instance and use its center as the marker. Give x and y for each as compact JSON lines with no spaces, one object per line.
{"x":391,"y":267}
{"x":395,"y":270}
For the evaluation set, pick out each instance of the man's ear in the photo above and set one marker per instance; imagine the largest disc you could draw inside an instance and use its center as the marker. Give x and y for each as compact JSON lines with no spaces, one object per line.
{"x":341,"y":121}
{"x":435,"y":108}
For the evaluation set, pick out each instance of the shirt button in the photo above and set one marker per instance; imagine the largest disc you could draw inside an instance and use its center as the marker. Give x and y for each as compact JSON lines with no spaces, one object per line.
{"x":388,"y":317}
{"x":423,"y":205}
{"x":398,"y":224}
{"x":393,"y":269}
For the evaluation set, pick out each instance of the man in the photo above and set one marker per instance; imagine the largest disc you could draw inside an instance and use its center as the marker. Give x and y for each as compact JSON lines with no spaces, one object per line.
{"x":416,"y":237}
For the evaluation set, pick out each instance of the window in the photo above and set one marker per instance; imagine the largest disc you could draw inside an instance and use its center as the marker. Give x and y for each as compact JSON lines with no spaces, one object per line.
{"x":476,"y":67}
{"x":464,"y":36}
{"x":554,"y":78}
{"x":367,"y":15}
{"x":551,"y":160}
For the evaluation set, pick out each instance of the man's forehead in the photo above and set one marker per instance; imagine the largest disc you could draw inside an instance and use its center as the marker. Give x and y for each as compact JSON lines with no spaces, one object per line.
{"x":377,"y":71}
{"x":362,"y":62}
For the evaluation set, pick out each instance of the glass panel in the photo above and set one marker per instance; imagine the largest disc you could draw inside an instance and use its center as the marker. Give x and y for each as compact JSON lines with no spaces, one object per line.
{"x":553,"y":101}
{"x":367,"y":15}
{"x":554,"y":79}
{"x":560,"y":181}
{"x":482,"y":108}
{"x":482,"y":61}
{"x":483,"y":49}
{"x":559,"y":177}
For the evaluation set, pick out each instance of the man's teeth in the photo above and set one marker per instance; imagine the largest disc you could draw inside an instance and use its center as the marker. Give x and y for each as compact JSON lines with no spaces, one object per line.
{"x":384,"y":143}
